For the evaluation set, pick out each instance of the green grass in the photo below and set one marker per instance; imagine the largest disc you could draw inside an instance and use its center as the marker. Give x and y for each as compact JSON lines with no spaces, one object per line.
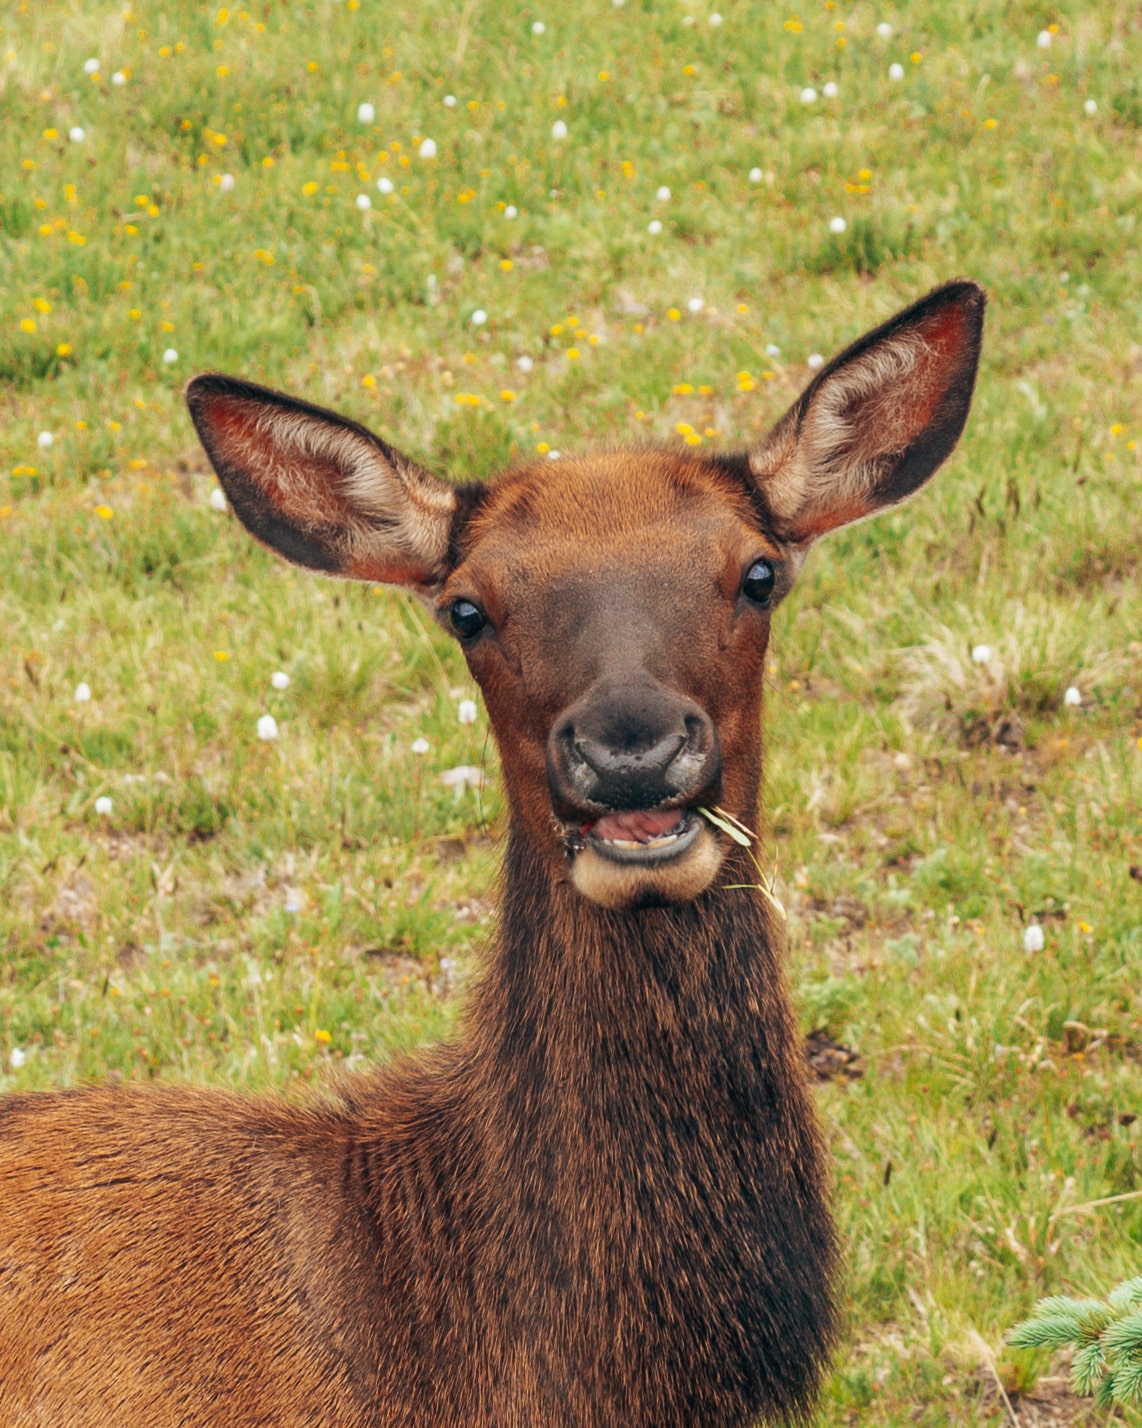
{"x":250,"y":912}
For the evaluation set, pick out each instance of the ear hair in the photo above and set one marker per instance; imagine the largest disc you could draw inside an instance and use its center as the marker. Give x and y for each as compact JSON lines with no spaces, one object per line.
{"x":877,"y":422}
{"x":319,"y":489}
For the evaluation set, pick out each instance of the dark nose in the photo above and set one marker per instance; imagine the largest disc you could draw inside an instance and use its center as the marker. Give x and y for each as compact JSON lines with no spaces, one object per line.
{"x":632,"y":745}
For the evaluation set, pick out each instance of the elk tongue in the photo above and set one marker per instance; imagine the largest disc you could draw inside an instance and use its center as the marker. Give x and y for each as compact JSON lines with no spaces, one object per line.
{"x":636,"y":826}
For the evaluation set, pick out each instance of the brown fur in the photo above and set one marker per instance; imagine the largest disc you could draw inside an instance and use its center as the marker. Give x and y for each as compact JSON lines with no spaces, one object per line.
{"x":604,"y":1204}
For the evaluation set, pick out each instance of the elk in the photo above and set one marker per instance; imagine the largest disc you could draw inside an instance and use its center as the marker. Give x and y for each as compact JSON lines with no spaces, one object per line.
{"x":605,"y":1201}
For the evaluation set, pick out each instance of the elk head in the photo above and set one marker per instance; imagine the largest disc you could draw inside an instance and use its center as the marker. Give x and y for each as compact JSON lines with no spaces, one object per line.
{"x":614,"y":609}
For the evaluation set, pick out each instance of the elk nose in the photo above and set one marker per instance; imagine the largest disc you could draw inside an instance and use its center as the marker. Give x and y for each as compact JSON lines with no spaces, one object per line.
{"x":632,"y":747}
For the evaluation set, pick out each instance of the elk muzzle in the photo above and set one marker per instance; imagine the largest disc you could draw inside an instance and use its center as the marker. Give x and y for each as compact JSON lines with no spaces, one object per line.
{"x":626,"y":764}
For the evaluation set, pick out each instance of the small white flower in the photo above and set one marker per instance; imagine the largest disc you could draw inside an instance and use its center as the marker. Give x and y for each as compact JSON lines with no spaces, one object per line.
{"x":450,"y":101}
{"x":226,"y":183}
{"x":267,"y":727}
{"x":715,"y":19}
{"x":1043,"y":39}
{"x":292,"y":904}
{"x":466,"y":713}
{"x":755,"y":175}
{"x":118,"y":77}
{"x":663,"y":193}
{"x":1072,"y":697}
{"x":103,"y":805}
{"x":511,"y":211}
{"x":538,"y":27}
{"x":524,"y":363}
{"x":772,"y":349}
{"x":364,"y":202}
{"x":17,"y":1057}
{"x":815,"y":361}
{"x":837,"y":225}
{"x":420,"y":746}
{"x":279,"y":679}
{"x":462,"y":777}
{"x":77,"y":134}
{"x":884,"y":29}
{"x":618,"y":4}
{"x":218,"y":499}
{"x":981,"y":654}
{"x":554,"y":455}
{"x":82,"y":693}
{"x":365,"y":113}
{"x":170,"y":355}
{"x":91,"y":66}
{"x":428,"y":149}
{"x":808,"y":95}
{"x":559,"y":130}
{"x":385,"y":185}
{"x":829,"y":90}
{"x":479,"y":317}
{"x":1091,"y":106}
{"x":44,"y":440}
{"x":654,"y":226}
{"x":695,"y":305}
{"x":1033,"y":938}
{"x":896,"y":71}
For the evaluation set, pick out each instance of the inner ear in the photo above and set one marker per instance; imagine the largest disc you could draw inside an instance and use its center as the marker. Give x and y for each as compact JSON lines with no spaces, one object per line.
{"x":321,"y":490}
{"x":878,"y":421}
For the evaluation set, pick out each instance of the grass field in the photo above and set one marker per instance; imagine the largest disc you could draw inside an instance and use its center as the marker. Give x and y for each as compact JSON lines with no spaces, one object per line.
{"x":249,"y":911}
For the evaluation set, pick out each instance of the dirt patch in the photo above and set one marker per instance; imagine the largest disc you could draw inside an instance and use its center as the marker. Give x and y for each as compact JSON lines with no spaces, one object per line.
{"x":830,"y":1060}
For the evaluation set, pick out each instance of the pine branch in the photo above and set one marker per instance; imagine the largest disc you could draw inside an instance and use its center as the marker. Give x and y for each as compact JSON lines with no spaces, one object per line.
{"x":1107,"y":1337}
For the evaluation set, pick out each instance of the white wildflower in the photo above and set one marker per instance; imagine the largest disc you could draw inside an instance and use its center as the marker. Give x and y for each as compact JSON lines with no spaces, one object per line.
{"x":385,"y":185}
{"x":1043,"y":39}
{"x":267,"y":727}
{"x":420,"y":746}
{"x":538,"y":27}
{"x":524,"y":363}
{"x":829,"y":90}
{"x":755,"y":175}
{"x":715,"y":19}
{"x":772,"y":349}
{"x":82,"y":693}
{"x":365,"y":113}
{"x":884,"y":29}
{"x":77,"y":134}
{"x":17,"y":1057}
{"x":91,"y":66}
{"x":981,"y":654}
{"x":559,"y":130}
{"x":815,"y":361}
{"x":896,"y":71}
{"x":462,"y":777}
{"x":479,"y":317}
{"x":1091,"y":106}
{"x":663,"y":193}
{"x":511,"y":211}
{"x":1072,"y":697}
{"x":1033,"y":938}
{"x":118,"y":77}
{"x":218,"y":499}
{"x":450,"y":101}
{"x":837,"y":225}
{"x":170,"y":354}
{"x":808,"y":95}
{"x":654,"y":226}
{"x":226,"y":183}
{"x":466,"y":713}
{"x":364,"y":202}
{"x":554,"y":455}
{"x":427,"y":149}
{"x":279,"y":679}
{"x":695,"y":305}
{"x":103,"y":805}
{"x":44,"y":440}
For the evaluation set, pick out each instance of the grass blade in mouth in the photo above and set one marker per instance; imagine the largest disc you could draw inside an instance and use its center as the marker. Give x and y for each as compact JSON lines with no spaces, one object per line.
{"x":729,"y":825}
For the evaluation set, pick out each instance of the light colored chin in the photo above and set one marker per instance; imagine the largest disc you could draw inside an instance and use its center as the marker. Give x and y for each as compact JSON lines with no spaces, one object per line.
{"x":621,"y":885}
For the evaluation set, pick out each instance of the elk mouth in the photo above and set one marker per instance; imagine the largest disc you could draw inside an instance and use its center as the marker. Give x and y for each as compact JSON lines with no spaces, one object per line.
{"x":640,"y":836}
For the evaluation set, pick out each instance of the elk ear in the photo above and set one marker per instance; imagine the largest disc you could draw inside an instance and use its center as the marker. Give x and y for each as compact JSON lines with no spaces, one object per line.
{"x":875,"y":424}
{"x":321,"y":490}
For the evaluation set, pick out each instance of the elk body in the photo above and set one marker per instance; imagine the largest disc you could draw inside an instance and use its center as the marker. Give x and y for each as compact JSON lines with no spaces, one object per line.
{"x":604,"y":1203}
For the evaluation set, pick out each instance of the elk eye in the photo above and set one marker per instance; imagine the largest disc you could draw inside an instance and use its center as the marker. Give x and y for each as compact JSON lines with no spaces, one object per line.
{"x":759,"y":582}
{"x":467,"y":619}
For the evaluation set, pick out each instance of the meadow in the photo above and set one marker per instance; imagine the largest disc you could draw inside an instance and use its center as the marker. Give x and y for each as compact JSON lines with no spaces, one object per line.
{"x":491,"y":232}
